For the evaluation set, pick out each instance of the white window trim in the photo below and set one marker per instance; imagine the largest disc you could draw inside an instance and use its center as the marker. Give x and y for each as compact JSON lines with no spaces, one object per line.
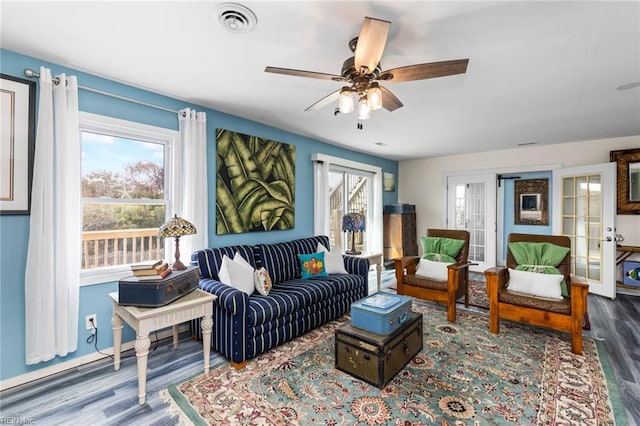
{"x":132,"y":130}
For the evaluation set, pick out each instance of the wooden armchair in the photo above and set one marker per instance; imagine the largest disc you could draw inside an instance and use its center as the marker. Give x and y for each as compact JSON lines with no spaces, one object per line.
{"x":565,"y":315}
{"x":447,"y":292}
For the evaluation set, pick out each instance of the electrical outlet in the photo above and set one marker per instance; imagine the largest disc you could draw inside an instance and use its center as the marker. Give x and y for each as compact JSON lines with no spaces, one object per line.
{"x":87,"y":322}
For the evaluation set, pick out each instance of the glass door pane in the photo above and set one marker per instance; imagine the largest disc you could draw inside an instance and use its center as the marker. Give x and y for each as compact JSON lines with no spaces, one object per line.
{"x":586,"y":197}
{"x":471,"y":206}
{"x":349,"y":192}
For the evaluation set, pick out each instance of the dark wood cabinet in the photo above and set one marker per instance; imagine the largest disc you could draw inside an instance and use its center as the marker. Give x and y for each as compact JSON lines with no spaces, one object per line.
{"x":399,"y":235}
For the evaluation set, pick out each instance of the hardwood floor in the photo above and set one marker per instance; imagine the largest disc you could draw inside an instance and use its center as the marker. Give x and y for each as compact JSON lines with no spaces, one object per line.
{"x":616,"y":324}
{"x":95,"y":394}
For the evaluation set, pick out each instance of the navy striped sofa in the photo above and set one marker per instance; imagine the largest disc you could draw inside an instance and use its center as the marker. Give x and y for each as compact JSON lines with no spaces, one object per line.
{"x":246,"y":326}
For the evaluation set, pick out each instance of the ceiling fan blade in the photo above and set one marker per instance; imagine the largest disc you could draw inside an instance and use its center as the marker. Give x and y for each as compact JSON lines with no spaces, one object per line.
{"x":331,"y":97}
{"x":371,"y":42}
{"x":300,"y":73}
{"x":389,"y":101}
{"x":424,"y":71}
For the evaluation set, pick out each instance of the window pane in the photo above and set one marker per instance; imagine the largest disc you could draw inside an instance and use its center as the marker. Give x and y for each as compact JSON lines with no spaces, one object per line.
{"x":119,"y":234}
{"x":122,"y":168}
{"x":118,"y":171}
{"x":105,"y":216}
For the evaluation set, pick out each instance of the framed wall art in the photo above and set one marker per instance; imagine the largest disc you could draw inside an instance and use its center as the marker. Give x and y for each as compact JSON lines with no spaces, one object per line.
{"x":389,"y":182}
{"x":17,"y":143}
{"x":255,"y":184}
{"x":628,"y":180}
{"x":531,"y":202}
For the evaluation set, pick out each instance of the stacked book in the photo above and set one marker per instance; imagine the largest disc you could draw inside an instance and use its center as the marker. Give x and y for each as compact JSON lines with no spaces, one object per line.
{"x":151,"y":270}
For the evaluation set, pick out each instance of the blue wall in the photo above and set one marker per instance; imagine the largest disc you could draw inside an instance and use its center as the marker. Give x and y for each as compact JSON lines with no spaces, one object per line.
{"x":509,"y":213}
{"x":94,"y":299}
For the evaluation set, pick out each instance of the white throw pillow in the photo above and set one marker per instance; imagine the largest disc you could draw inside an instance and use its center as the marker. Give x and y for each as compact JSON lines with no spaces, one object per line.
{"x":433,"y":270}
{"x":241,"y":260}
{"x":237,"y":275}
{"x":535,"y":284}
{"x":333,"y":260}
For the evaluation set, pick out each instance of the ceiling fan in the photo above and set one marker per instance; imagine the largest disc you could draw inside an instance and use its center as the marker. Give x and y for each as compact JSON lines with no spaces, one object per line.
{"x":363,"y":72}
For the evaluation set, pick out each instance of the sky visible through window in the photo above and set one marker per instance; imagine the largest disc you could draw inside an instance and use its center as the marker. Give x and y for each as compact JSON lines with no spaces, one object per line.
{"x":110,"y":153}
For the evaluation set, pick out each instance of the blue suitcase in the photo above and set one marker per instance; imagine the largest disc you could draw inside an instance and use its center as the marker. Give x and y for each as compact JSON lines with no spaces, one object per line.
{"x":382,"y":313}
{"x":133,"y":291}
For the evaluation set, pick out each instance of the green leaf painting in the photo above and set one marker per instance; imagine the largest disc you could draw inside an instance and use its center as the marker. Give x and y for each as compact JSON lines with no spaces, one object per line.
{"x":255,"y":184}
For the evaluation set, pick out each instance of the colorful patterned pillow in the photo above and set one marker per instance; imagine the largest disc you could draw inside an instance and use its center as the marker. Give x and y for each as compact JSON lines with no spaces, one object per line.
{"x":312,"y":265}
{"x":262,"y":281}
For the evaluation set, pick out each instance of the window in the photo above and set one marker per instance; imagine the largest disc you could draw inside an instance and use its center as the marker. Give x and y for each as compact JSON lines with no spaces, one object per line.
{"x":125,"y":184}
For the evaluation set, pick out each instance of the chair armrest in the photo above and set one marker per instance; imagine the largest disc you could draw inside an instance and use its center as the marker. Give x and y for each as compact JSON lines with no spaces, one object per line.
{"x":408,"y":262}
{"x":579,"y":281}
{"x":229,"y":298}
{"x":497,"y":279}
{"x":460,"y":265}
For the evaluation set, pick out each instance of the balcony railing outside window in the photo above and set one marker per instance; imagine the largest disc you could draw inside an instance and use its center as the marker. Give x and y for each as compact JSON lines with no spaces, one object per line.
{"x":120,"y":247}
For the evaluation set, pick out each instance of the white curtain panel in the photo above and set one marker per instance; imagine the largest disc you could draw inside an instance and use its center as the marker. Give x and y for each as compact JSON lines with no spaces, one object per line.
{"x":375,"y":239}
{"x":52,"y":272}
{"x":321,"y":213}
{"x":191,"y":177}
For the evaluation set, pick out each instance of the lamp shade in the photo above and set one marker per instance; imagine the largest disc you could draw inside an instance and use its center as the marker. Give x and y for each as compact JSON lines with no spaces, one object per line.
{"x":353,"y":222}
{"x":176,"y":227}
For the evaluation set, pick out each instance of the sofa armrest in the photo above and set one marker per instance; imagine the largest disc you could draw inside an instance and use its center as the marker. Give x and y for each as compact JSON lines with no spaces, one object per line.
{"x":229,"y":298}
{"x":356,"y":265}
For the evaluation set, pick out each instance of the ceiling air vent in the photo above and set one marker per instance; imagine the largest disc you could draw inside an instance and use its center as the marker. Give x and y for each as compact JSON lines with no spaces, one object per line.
{"x":236,"y":18}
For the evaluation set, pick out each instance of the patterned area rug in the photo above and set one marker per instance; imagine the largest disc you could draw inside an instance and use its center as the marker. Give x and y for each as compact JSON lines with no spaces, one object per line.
{"x":464,"y":376}
{"x":478,"y":294}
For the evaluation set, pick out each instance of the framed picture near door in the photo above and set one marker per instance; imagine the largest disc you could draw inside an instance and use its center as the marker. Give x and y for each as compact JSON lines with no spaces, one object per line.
{"x":531,"y":202}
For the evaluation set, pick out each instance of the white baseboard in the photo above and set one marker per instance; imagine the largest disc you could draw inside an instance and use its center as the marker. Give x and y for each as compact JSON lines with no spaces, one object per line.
{"x":76,"y":362}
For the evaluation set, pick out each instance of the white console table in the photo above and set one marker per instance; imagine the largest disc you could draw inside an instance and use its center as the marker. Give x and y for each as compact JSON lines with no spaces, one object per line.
{"x":197,"y":304}
{"x":375,"y":259}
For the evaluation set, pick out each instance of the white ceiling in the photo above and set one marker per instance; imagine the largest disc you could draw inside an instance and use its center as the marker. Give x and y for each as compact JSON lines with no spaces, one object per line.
{"x":543,"y":72}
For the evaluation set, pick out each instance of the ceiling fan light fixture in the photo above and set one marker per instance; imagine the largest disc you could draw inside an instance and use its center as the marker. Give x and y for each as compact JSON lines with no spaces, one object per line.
{"x":345,"y":100}
{"x":374,"y":97}
{"x":363,"y":109}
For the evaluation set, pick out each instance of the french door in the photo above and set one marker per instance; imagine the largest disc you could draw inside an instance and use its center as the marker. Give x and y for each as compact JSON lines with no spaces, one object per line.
{"x":471,"y":205}
{"x":349,"y":191}
{"x":584,"y":210}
